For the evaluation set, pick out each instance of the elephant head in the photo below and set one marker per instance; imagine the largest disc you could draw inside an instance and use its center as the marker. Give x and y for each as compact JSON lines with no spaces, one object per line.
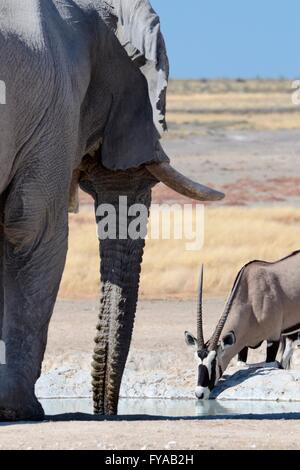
{"x":137,"y":28}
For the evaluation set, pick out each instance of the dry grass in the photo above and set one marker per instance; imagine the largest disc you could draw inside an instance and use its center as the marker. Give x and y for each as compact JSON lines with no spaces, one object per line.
{"x":190,"y":87}
{"x":254,"y":104}
{"x":263,"y":121}
{"x":236,"y":101}
{"x":233,"y":236}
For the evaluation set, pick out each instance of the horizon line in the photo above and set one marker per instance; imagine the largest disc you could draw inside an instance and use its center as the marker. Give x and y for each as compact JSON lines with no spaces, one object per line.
{"x":237,"y":78}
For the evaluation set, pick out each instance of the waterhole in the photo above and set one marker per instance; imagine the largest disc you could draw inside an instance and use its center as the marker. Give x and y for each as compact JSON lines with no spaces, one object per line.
{"x":173,"y":408}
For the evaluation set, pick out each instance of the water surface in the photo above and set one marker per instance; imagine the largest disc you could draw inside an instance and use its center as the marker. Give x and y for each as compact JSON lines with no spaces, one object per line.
{"x":180,"y":408}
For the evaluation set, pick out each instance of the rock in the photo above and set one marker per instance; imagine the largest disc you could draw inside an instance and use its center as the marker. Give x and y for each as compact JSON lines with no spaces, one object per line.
{"x":64,"y":382}
{"x":70,"y":377}
{"x":262,"y":382}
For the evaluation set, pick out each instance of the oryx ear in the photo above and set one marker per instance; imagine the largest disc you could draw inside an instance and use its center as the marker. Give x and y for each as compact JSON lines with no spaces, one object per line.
{"x":228,"y":341}
{"x":190,"y":339}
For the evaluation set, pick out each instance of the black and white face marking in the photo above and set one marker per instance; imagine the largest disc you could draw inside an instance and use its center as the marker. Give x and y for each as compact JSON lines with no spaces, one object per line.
{"x":207,"y":373}
{"x":208,"y":369}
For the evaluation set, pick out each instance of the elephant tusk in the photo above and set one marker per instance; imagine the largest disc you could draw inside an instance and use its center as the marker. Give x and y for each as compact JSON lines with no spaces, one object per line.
{"x":165,"y":173}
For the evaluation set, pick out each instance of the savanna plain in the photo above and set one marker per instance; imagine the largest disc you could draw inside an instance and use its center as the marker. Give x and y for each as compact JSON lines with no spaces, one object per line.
{"x":241,"y":137}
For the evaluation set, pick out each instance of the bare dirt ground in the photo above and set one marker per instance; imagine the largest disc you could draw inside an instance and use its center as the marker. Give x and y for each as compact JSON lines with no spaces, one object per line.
{"x":241,"y":136}
{"x":147,"y":435}
{"x":159,"y":331}
{"x":251,"y":167}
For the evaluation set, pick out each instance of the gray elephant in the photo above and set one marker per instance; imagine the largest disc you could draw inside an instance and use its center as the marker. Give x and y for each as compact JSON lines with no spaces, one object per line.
{"x":85,"y":105}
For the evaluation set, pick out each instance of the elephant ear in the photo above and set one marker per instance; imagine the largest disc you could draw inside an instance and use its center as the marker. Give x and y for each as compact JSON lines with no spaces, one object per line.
{"x":138,"y":30}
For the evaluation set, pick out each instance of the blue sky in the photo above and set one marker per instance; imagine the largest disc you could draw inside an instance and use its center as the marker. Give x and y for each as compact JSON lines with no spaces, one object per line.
{"x":231,"y":38}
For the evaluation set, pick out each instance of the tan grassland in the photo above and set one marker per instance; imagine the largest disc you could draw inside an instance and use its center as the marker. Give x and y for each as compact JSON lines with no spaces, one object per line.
{"x":233,"y":236}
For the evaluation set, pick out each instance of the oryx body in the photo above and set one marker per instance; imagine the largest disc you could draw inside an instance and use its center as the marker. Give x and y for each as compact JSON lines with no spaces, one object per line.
{"x":264,"y":305}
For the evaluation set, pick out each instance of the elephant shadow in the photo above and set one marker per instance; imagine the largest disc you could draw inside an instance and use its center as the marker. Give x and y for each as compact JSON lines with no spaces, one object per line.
{"x":131,"y":418}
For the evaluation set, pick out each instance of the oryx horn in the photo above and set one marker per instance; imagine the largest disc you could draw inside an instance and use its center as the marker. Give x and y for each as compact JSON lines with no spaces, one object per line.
{"x":200,"y":336}
{"x":213,"y":342}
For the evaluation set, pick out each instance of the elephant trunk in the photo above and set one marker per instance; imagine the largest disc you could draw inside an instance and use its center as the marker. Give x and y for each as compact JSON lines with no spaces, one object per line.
{"x":120,"y":273}
{"x":121,"y":259}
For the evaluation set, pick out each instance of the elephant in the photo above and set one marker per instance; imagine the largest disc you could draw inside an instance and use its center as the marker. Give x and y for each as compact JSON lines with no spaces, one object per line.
{"x":85,"y":106}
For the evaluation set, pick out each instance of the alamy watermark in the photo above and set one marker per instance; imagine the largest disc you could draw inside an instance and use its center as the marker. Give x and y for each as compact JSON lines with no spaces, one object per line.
{"x":167,"y":222}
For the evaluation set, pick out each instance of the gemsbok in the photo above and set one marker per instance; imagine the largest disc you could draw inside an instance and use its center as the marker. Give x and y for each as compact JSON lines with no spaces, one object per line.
{"x":264,"y":305}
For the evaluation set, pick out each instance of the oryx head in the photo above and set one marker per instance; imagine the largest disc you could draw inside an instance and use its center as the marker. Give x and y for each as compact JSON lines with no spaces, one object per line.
{"x":209,"y":354}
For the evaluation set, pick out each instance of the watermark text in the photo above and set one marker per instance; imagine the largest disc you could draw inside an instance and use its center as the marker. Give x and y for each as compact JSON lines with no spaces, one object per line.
{"x":167,"y":222}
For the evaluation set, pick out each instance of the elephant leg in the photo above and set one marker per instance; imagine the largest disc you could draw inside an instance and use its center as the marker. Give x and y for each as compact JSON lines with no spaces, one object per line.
{"x":35,"y":247}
